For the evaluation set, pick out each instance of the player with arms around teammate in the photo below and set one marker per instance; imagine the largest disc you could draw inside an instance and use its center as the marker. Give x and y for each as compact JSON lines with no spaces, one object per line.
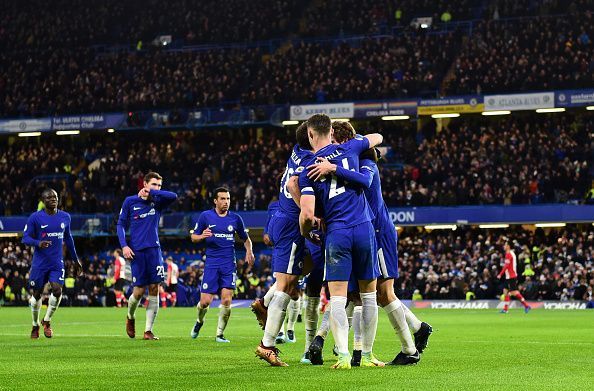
{"x":46,"y":230}
{"x":141,"y":214}
{"x":350,"y":243}
{"x":368,"y":176}
{"x":510,"y":270}
{"x":287,"y":255}
{"x":217,"y":228}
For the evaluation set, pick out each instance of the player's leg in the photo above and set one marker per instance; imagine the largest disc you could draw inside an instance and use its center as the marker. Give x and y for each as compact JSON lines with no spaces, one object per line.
{"x":516,"y":293}
{"x":56,"y":280}
{"x":155,"y":274}
{"x":37,"y":280}
{"x":313,"y":289}
{"x":507,"y":301}
{"x":227,"y":279}
{"x":356,"y":322}
{"x":366,"y":270}
{"x":139,"y":284}
{"x":293,"y":311}
{"x":209,"y":287}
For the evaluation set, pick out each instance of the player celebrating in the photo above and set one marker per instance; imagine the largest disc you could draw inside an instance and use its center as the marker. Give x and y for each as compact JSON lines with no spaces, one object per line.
{"x":350,"y":240}
{"x":217,"y":228}
{"x":141,"y":213}
{"x":46,"y":230}
{"x":287,"y":254}
{"x":119,"y":275}
{"x":386,"y":236}
{"x":511,"y":280}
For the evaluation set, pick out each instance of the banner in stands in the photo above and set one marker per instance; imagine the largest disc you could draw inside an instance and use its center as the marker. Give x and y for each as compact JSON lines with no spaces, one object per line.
{"x":90,"y":121}
{"x":539,"y":100}
{"x":454,"y":104}
{"x":178,"y":223}
{"x":380,"y":109}
{"x":574,"y":98}
{"x":333,"y":110}
{"x":496,"y":304}
{"x":25,"y":125}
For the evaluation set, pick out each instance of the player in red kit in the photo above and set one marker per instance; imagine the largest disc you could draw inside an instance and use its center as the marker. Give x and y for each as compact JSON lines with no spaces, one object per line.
{"x":511,"y":280}
{"x":119,"y":275}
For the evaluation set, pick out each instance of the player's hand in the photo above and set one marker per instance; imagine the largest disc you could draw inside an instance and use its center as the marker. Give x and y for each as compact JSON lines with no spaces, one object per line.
{"x":128,"y":253}
{"x":78,"y":268}
{"x":314,"y":237}
{"x":320,"y":169}
{"x":45,"y":244}
{"x":143,"y":193}
{"x":207,"y":233}
{"x":267,"y":240}
{"x":250,"y":258}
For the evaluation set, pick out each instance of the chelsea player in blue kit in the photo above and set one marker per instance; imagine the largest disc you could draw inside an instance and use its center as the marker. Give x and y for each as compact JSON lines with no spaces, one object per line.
{"x":46,"y":231}
{"x":398,"y":314}
{"x":350,"y":243}
{"x":287,"y":255}
{"x":217,"y":228}
{"x":141,"y":213}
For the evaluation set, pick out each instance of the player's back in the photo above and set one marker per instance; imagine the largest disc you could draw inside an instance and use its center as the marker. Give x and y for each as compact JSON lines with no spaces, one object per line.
{"x":342,"y":204}
{"x":294,"y":166}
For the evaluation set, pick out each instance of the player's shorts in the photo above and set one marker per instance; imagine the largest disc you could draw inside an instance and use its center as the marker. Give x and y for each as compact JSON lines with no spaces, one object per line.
{"x":387,"y":252}
{"x":511,"y":284}
{"x":352,"y":249}
{"x":289,"y":245}
{"x":171,"y":288}
{"x":147,"y":267}
{"x":42,"y":274}
{"x":217,"y":277}
{"x":119,"y":284}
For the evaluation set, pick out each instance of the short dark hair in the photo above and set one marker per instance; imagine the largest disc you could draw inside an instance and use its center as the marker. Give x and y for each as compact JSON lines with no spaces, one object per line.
{"x":301,"y":136}
{"x":371,"y":154}
{"x":343,"y":131}
{"x":152,"y":175}
{"x":46,"y":191}
{"x":222,"y":189}
{"x":319,"y":123}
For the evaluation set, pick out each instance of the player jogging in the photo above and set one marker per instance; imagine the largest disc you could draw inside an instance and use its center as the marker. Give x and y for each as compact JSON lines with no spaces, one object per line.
{"x":141,"y":214}
{"x":217,"y":228}
{"x":46,"y":231}
{"x":511,"y":280}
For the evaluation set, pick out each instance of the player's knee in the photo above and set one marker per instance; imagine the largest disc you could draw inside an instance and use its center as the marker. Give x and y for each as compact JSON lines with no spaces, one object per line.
{"x":226,"y":301}
{"x":37,"y":295}
{"x":153,"y":290}
{"x":56,"y":290}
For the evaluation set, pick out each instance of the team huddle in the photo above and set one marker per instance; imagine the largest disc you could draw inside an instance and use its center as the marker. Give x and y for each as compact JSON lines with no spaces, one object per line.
{"x":330,"y":224}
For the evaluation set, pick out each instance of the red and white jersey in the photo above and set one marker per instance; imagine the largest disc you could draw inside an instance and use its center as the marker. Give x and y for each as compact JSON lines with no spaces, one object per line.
{"x":510,"y":268}
{"x":120,"y":268}
{"x":172,"y":273}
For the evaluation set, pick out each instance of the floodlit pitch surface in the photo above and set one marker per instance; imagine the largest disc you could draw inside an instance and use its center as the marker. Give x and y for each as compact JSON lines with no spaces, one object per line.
{"x":469,"y":350}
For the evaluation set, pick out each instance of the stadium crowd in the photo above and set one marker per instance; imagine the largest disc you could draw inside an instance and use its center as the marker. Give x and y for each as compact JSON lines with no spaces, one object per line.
{"x":461,"y":264}
{"x":517,"y":160}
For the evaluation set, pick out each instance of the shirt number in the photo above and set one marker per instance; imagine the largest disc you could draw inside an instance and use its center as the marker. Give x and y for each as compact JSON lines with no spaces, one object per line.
{"x":337,"y":188}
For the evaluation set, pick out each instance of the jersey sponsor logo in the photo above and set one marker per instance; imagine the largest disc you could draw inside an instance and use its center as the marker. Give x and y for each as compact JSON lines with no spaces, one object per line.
{"x":144,"y":215}
{"x":44,"y":226}
{"x":59,"y":235}
{"x":223,"y":236}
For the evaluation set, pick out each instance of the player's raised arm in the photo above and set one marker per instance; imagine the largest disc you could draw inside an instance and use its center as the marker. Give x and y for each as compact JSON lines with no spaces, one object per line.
{"x":162,"y":198}
{"x":374,"y":139}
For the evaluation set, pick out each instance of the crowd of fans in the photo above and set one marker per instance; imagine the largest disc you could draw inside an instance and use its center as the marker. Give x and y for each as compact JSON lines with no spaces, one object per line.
{"x":461,"y":264}
{"x":517,"y":160}
{"x":558,"y":265}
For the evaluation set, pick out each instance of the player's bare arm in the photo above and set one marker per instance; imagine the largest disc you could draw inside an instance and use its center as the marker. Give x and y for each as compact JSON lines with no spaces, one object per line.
{"x":293,"y":187}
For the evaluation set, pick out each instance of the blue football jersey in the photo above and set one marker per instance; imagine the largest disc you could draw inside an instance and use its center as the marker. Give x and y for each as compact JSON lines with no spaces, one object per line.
{"x":220,"y":247}
{"x":54,"y":228}
{"x":342,"y":203}
{"x":373,"y":194}
{"x":142,"y":217}
{"x":272,"y":208}
{"x":294,"y":167}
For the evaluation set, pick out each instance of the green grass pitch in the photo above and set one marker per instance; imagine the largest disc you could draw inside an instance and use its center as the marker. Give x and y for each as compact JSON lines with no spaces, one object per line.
{"x":469,"y":350}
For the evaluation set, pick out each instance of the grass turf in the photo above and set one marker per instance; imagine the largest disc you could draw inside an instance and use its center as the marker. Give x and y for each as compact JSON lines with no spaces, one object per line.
{"x":468,"y":350}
